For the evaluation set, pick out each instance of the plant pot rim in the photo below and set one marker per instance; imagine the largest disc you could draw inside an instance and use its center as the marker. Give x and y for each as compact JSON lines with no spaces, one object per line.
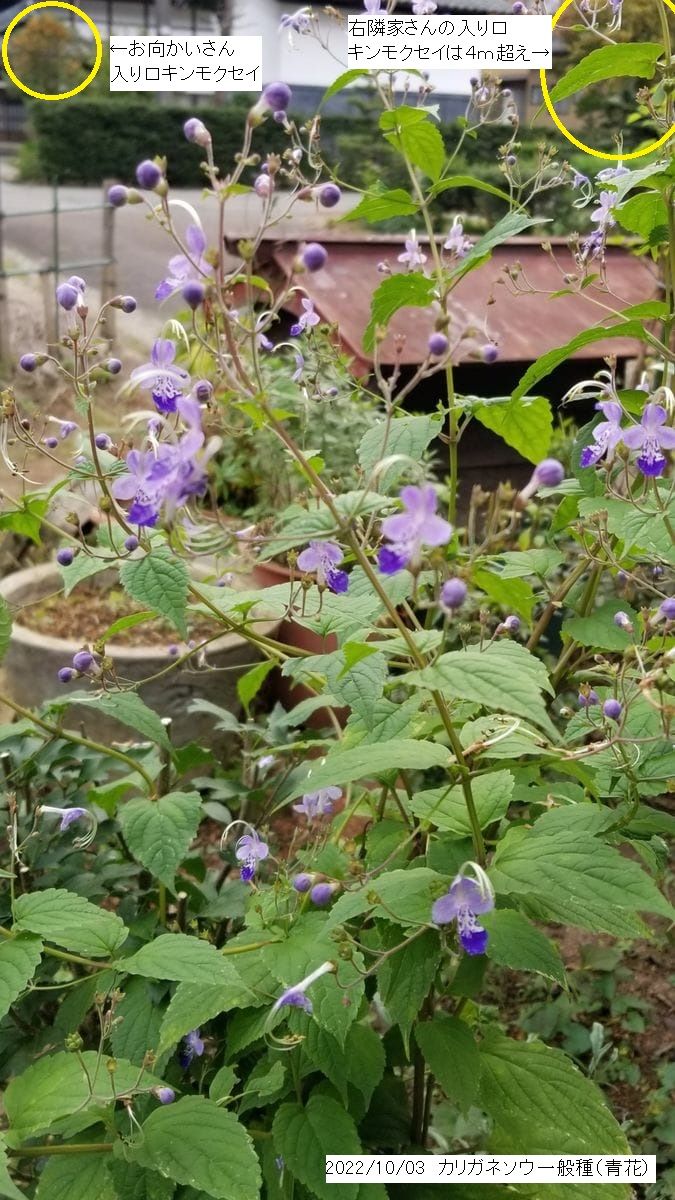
{"x":20,"y":581}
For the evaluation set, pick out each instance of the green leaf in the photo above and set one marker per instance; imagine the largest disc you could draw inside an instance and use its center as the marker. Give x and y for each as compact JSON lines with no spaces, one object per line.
{"x":130,"y":622}
{"x":504,"y":677}
{"x":128,"y":708}
{"x":553,"y":358}
{"x":159,"y":580}
{"x":598,"y":629}
{"x":380,"y":206}
{"x":193,"y":1004}
{"x":200,"y":1145}
{"x":406,"y":898}
{"x":360,"y":1062}
{"x":646,"y":215}
{"x":19,"y":959}
{"x":249,"y":685}
{"x":58,"y":1084}
{"x":5,"y":626}
{"x":159,"y":832}
{"x":451,"y":1053}
{"x":411,"y":290}
{"x":445,"y":807}
{"x":26,"y":520}
{"x":134,"y":1183}
{"x":643,"y":527}
{"x":343,"y":81}
{"x":76,"y":1177}
{"x":575,"y":875}
{"x":513,"y":594}
{"x":637,"y":59}
{"x":404,"y":979}
{"x":526,"y":424}
{"x":137,"y":1022}
{"x":304,"y":1136}
{"x":70,"y":921}
{"x":509,"y":226}
{"x":515,"y":943}
{"x":452,"y":182}
{"x":364,"y":762}
{"x":182,"y":958}
{"x":514,"y":564}
{"x":541,"y":1103}
{"x":83,"y":566}
{"x":407,"y":437}
{"x":8,"y":1189}
{"x":419,"y":141}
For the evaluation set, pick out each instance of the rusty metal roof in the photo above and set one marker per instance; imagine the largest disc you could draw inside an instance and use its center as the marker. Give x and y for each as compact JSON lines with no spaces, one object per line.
{"x":524,"y":325}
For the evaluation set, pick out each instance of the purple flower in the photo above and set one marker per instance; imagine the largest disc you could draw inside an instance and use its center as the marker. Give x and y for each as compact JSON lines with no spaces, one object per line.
{"x":67,"y":427}
{"x":299,"y":368}
{"x":276,"y":96}
{"x":69,"y":295}
{"x":307,"y":319}
{"x":297,"y":22}
{"x":263,"y":186}
{"x":83,"y":661}
{"x":314,"y":256}
{"x":103,"y":442}
{"x":424,"y":8}
{"x":606,"y":435}
{"x":372,"y":6}
{"x":588,"y":699}
{"x":65,"y":556}
{"x":413,"y":256}
{"x":623,"y":621}
{"x":323,"y":558}
{"x":510,"y":624}
{"x":612,"y":709}
{"x":250,"y":850}
{"x":193,"y":1047}
{"x":193,"y":293}
{"x":165,"y":1095}
{"x":592,"y":246}
{"x":464,"y":901}
{"x":159,"y":376}
{"x":295,"y":998}
{"x":438,"y":345}
{"x":70,"y":815}
{"x":490,"y":352}
{"x":651,"y":436}
{"x":148,"y":174}
{"x":453,"y":593}
{"x":321,"y":894}
{"x":186,"y":268}
{"x":667,"y":609}
{"x":329,"y":195}
{"x":602,"y":215}
{"x":50,"y":442}
{"x":166,"y":477}
{"x":549,"y":473}
{"x":410,"y":531}
{"x":196,"y":131}
{"x":318,"y":804}
{"x":456,"y":242}
{"x":302,"y":882}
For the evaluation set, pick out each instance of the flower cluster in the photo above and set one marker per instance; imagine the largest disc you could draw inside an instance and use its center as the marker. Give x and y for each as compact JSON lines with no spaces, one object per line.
{"x":652,"y":436}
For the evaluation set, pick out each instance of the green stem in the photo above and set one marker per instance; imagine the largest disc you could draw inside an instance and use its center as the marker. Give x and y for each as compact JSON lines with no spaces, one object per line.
{"x":77,"y":740}
{"x":71,"y":958}
{"x":81,"y":1148}
{"x":585,"y":607}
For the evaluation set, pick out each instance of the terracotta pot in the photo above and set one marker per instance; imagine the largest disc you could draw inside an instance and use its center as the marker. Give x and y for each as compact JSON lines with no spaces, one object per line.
{"x":29,"y":670}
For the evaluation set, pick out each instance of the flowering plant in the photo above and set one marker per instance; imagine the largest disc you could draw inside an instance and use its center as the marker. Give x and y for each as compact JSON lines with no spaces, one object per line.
{"x":490,"y":718}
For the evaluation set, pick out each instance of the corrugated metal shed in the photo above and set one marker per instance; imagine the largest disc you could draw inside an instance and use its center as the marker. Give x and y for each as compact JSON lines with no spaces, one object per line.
{"x":524,"y":326}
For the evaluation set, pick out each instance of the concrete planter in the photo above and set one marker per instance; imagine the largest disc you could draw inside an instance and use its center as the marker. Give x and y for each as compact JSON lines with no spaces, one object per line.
{"x":29,"y":670}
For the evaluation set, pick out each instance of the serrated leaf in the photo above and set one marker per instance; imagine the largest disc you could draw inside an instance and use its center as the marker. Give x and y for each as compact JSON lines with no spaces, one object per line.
{"x":179,"y":957}
{"x":405,"y":897}
{"x":514,"y":595}
{"x":411,"y":290}
{"x":83,"y":566}
{"x":59,"y":1084}
{"x":451,"y":1053}
{"x":504,"y":677}
{"x":360,"y":1062}
{"x":541,"y":1103}
{"x":643,"y":527}
{"x":404,"y":978}
{"x":509,"y":226}
{"x":159,"y":832}
{"x":421,"y":143}
{"x":70,"y":921}
{"x":5,"y":626}
{"x":598,"y":629}
{"x":193,"y":1004}
{"x":128,"y":708}
{"x":76,"y":1177}
{"x":8,"y":1189}
{"x":303,"y":1136}
{"x":197,"y":1143}
{"x":646,"y":215}
{"x":19,"y":959}
{"x":514,"y":943}
{"x":526,"y":424}
{"x":568,"y":869}
{"x":159,"y":580}
{"x":249,"y":684}
{"x":445,"y":807}
{"x":382,"y":205}
{"x":553,"y":358}
{"x":137,"y":1022}
{"x":365,"y":762}
{"x":453,"y":182}
{"x":407,"y":436}
{"x":343,"y":81}
{"x":515,"y":564}
{"x":637,"y":59}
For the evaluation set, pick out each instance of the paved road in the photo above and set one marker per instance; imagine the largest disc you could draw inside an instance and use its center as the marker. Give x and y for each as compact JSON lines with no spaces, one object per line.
{"x":142,"y":248}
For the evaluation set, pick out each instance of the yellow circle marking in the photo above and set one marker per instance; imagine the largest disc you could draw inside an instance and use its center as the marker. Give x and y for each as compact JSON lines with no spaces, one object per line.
{"x":570,"y":136}
{"x":52,"y":95}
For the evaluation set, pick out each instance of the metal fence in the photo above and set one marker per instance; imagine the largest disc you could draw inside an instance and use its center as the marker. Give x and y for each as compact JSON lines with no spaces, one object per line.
{"x":55,"y":265}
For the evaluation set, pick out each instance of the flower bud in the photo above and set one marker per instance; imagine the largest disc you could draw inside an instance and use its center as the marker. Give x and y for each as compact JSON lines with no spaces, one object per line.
{"x":667,"y":609}
{"x":126,"y":303}
{"x":314,"y":256}
{"x":203,"y":391}
{"x":588,"y":698}
{"x":196,"y":131}
{"x":623,"y":621}
{"x":453,"y":593}
{"x":118,"y":195}
{"x":193,"y":293}
{"x":490,"y":352}
{"x":612,"y":709}
{"x":50,"y":442}
{"x":103,"y":442}
{"x":148,"y":174}
{"x":321,"y":894}
{"x":66,"y":674}
{"x":165,"y":1095}
{"x":302,"y":882}
{"x":131,"y":543}
{"x":83,"y":661}
{"x":65,"y":556}
{"x":438,"y":345}
{"x":113,"y":366}
{"x":28,"y":362}
{"x":276,"y":97}
{"x":67,"y":296}
{"x":549,"y":473}
{"x":329,"y":195}
{"x":263,"y":186}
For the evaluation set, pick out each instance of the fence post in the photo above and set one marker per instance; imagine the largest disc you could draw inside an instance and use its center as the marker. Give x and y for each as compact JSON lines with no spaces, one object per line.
{"x":4,"y":304}
{"x":109,"y":272}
